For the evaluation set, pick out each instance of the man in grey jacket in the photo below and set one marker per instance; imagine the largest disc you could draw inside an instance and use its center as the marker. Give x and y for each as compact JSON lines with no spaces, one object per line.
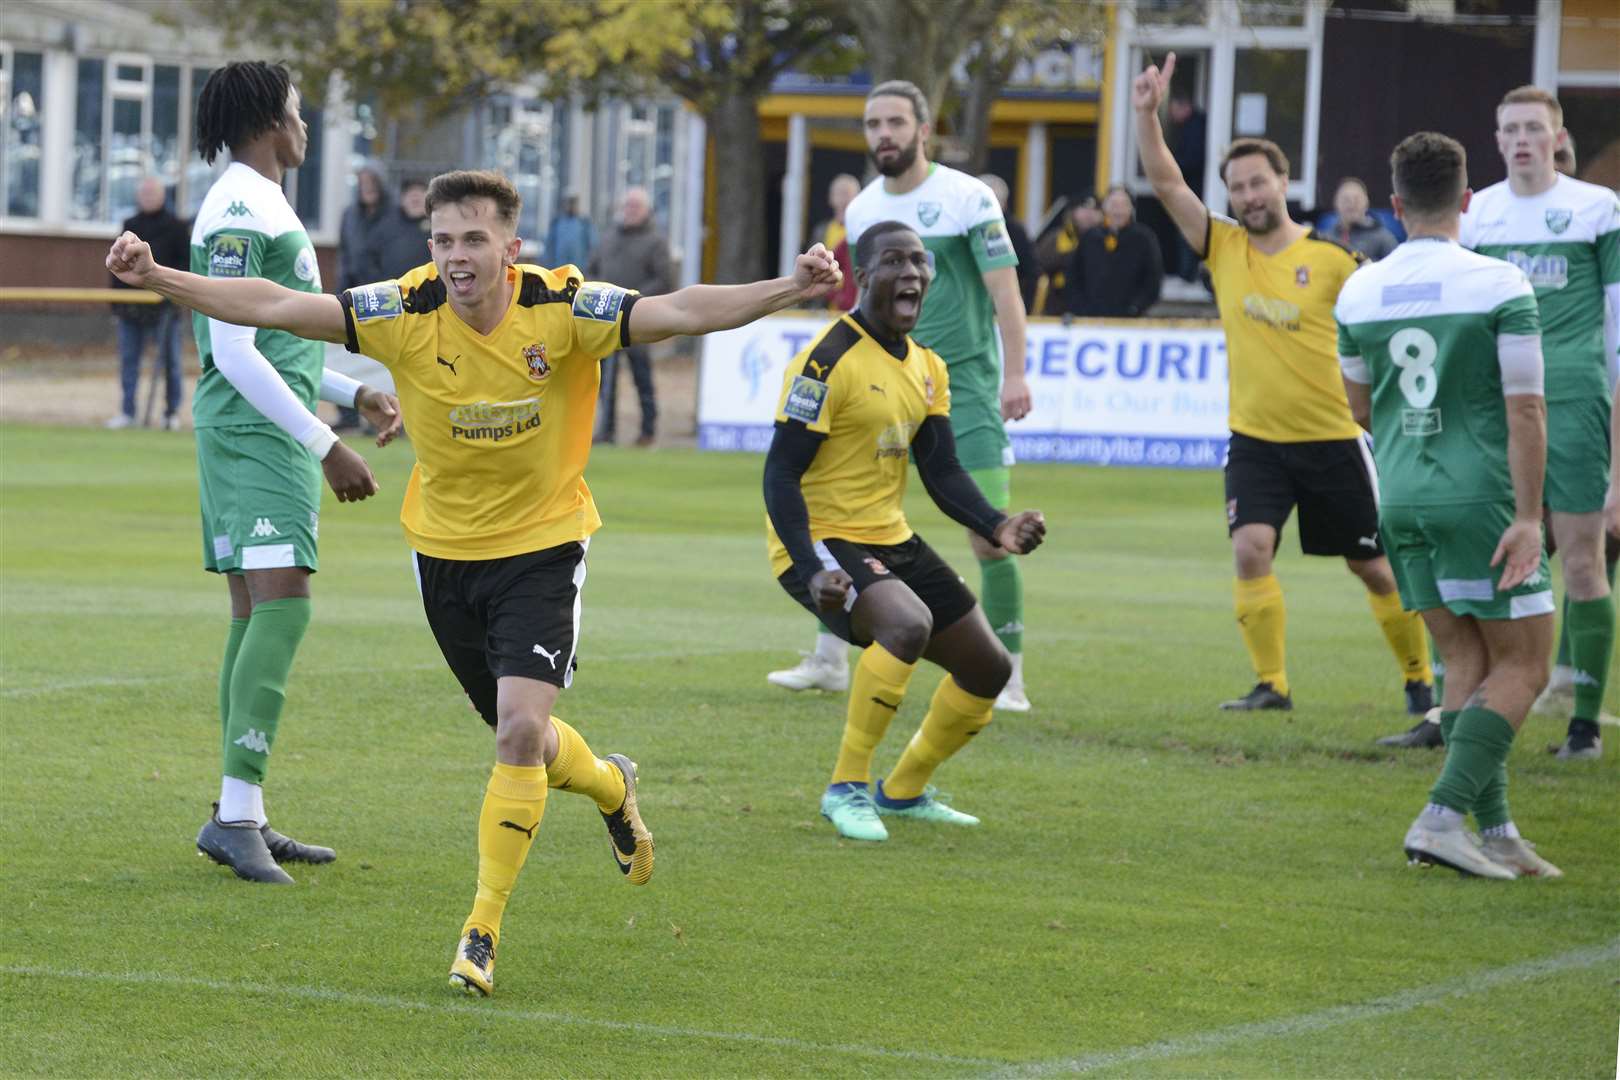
{"x":634,"y":255}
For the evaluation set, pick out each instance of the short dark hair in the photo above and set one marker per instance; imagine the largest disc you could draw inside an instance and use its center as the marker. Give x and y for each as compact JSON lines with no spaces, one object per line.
{"x":867,"y":244}
{"x":1533,"y":95}
{"x":411,"y":182}
{"x":1245,"y":147}
{"x":464,"y":184}
{"x":909,"y":91}
{"x":1429,"y":172}
{"x":239,"y":102}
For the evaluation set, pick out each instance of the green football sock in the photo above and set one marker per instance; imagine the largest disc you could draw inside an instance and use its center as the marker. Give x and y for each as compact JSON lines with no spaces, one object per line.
{"x":1448,"y":720}
{"x":1479,"y":743}
{"x":1591,"y":645}
{"x":1491,"y":806}
{"x":259,"y":684}
{"x":1001,"y":592}
{"x":233,"y":645}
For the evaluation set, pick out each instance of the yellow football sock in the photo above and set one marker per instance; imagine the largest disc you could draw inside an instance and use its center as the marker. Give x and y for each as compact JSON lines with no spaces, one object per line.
{"x":875,"y":691}
{"x":576,"y":769}
{"x":954,"y":717}
{"x":1263,"y":620}
{"x":1404,"y":632}
{"x":514,"y":803}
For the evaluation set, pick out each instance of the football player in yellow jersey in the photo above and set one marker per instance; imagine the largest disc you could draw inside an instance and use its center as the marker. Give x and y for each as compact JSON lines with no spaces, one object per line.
{"x":1293,"y":439}
{"x":855,"y":403}
{"x":497,"y":369}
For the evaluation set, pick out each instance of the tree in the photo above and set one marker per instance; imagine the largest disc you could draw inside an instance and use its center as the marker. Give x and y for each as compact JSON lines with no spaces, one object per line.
{"x":1025,"y":28}
{"x":720,"y":56}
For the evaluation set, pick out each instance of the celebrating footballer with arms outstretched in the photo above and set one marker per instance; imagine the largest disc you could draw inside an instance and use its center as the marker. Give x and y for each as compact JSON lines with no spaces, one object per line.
{"x":497,"y":367}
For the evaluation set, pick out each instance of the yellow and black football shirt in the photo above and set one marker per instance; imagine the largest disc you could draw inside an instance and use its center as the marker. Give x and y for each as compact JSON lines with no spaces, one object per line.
{"x":868,"y":403}
{"x":1281,"y":340}
{"x":501,"y":422}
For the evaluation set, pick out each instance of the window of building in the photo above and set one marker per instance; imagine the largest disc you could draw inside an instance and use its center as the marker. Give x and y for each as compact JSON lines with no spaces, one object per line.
{"x":21,"y":114}
{"x":521,"y":131}
{"x":1172,"y":12}
{"x":1268,"y":99}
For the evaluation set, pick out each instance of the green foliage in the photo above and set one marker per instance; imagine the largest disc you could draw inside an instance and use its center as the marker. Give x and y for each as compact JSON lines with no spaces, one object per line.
{"x":1149,"y":869}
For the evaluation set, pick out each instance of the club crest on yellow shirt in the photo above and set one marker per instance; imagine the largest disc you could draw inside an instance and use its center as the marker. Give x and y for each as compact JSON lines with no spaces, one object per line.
{"x":535,"y":355}
{"x":928,"y":389}
{"x":1302,"y":276}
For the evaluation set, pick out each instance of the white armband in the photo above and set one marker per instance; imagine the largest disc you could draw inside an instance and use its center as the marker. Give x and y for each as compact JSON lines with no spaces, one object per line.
{"x":338,"y":388}
{"x":246,"y":369}
{"x":1355,"y":369}
{"x":1519,"y":356}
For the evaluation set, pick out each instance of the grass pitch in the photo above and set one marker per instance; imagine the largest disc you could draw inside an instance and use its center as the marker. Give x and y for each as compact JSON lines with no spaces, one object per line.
{"x":1158,"y":888}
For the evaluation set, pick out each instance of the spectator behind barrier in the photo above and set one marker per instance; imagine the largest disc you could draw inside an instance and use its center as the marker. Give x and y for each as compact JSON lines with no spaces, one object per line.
{"x":634,"y":255}
{"x":1055,"y":247}
{"x":1029,"y":271}
{"x":1118,"y":269}
{"x":171,"y":246}
{"x":1352,"y":224}
{"x":571,"y":240}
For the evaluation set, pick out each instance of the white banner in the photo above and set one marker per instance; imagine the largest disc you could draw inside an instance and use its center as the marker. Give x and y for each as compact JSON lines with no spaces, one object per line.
{"x":1139,"y":393}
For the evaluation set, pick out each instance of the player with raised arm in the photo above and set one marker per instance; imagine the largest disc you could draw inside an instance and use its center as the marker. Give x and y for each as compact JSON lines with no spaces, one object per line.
{"x":1294,"y":442}
{"x":974,"y":294}
{"x":498,"y":367}
{"x":260,"y":448}
{"x":1441,"y":353}
{"x":855,"y":402}
{"x":1565,"y":234}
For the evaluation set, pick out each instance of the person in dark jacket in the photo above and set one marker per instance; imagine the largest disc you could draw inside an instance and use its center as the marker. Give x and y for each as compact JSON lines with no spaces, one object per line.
{"x":171,"y":246}
{"x":635,"y":255}
{"x":1355,"y":228}
{"x":1117,"y":270}
{"x":359,"y":250}
{"x":400,"y":236}
{"x":358,"y":263}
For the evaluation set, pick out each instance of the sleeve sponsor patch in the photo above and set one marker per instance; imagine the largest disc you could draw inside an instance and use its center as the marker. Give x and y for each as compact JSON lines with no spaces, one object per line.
{"x":997,"y":244}
{"x":805,"y":399}
{"x":379,"y":301}
{"x":228,"y":255}
{"x":598,"y":300}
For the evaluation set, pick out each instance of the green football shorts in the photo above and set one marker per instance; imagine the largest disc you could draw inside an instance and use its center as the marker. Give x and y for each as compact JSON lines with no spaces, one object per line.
{"x":1577,"y":455}
{"x":1441,"y":556}
{"x":261,"y":499}
{"x":995,"y":485}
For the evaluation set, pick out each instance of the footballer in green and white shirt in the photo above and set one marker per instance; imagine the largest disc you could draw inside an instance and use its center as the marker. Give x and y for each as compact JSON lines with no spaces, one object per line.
{"x":1565,"y":235}
{"x":261,"y":450}
{"x":974,"y":294}
{"x":1440,"y":349}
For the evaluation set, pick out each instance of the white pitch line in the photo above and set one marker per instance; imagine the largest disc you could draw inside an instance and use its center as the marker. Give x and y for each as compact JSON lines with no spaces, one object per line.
{"x":490,"y":1012}
{"x":1403,"y":1001}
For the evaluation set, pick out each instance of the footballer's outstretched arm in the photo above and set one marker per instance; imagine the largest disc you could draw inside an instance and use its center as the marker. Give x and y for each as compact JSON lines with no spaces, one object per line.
{"x":240,"y":301}
{"x":702,"y":309}
{"x":1181,"y":202}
